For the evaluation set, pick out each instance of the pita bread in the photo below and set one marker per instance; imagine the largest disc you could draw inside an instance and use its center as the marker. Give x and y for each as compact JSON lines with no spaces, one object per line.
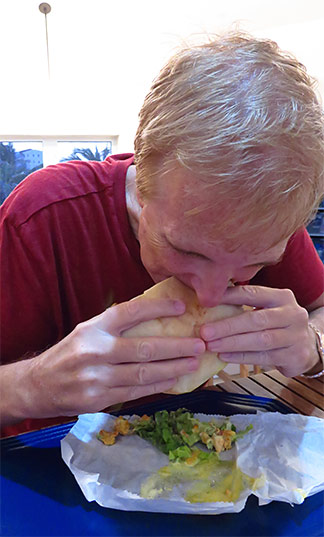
{"x":185,"y":325}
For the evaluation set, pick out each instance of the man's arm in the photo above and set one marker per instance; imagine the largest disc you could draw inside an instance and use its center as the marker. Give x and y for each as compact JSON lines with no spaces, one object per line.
{"x":15,"y":393}
{"x":94,"y":367}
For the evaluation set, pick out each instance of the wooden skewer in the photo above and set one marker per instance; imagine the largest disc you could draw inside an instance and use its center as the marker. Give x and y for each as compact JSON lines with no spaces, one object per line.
{"x":244,"y":370}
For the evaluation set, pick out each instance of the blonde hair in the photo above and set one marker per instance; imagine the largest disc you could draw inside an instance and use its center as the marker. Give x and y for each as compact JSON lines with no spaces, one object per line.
{"x":243,"y":116}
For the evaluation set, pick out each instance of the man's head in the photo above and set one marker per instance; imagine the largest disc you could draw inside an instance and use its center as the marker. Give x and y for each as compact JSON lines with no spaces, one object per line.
{"x":229,"y":159}
{"x":243,"y":117}
{"x":188,"y":247}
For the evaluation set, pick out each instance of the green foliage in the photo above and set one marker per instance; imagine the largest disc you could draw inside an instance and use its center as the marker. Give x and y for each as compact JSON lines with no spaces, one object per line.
{"x":12,"y":169}
{"x":87,"y":154}
{"x":175,"y":433}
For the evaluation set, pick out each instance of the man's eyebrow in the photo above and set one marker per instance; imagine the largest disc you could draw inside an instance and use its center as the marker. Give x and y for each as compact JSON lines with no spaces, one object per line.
{"x":268,"y":263}
{"x":183,"y":250}
{"x":198,"y":254}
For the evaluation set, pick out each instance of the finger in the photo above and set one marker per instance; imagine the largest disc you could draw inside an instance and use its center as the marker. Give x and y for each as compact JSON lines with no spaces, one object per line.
{"x":249,"y":321}
{"x":258,"y":296}
{"x":98,"y":380}
{"x":153,"y":348}
{"x":148,"y":373}
{"x":128,"y":314}
{"x":128,"y":393}
{"x":273,"y":358}
{"x":255,"y":341}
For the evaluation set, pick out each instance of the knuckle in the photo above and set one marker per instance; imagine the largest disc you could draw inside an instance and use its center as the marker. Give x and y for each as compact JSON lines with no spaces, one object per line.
{"x":184,"y":350}
{"x":266,"y":339}
{"x":259,"y":317}
{"x":154,"y":388}
{"x":142,"y":374}
{"x":92,"y":399}
{"x":133,"y":393}
{"x":80,"y":331}
{"x":80,"y":346}
{"x":235,"y":343}
{"x":244,"y":357}
{"x":94,"y":376}
{"x":133,"y":308}
{"x":86,"y":376}
{"x":145,"y":350}
{"x":179,"y":350}
{"x":227,"y":326}
{"x":288,"y":294}
{"x":251,"y":290}
{"x":264,"y":357}
{"x":303,"y":314}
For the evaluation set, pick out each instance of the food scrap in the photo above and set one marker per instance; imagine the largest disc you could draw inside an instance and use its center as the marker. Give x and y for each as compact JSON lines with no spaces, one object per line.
{"x":177,"y":433}
{"x":193,"y":447}
{"x":211,"y":480}
{"x":121,"y":426}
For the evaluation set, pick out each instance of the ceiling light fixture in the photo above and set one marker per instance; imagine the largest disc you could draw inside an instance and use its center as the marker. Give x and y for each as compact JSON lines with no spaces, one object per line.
{"x":46,"y":8}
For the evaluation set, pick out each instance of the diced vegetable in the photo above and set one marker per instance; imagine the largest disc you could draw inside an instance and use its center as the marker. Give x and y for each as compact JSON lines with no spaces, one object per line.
{"x":177,"y":433}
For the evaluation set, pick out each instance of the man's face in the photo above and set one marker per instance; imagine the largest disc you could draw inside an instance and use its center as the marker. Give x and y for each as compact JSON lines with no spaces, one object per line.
{"x":174,"y":244}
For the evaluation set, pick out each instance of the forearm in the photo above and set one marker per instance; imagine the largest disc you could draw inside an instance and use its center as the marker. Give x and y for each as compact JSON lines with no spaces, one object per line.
{"x":16,"y":397}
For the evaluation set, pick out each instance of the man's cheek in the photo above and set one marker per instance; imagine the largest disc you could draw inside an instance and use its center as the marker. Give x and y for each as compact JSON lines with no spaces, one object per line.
{"x":151,"y":259}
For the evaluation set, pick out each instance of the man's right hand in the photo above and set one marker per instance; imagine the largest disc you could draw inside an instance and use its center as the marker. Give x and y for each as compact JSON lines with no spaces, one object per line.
{"x":94,"y":367}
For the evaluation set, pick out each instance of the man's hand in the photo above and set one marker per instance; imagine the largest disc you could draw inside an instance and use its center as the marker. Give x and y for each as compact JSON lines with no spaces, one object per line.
{"x":94,"y":367}
{"x":274,"y":334}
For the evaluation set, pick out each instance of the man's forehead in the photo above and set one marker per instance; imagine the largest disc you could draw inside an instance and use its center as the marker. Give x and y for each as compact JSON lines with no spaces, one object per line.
{"x":192,"y":200}
{"x":191,"y":211}
{"x":193,"y":238}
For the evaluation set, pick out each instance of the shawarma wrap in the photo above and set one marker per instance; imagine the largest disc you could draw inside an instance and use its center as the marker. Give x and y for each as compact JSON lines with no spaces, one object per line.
{"x":185,"y":325}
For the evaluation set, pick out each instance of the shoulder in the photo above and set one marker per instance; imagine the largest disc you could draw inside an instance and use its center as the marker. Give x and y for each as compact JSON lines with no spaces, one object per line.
{"x":300,"y":270}
{"x":56,"y":184}
{"x":300,"y":249}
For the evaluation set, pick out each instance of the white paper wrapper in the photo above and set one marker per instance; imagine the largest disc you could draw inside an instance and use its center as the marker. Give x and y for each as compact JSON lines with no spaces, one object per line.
{"x":285,"y":450}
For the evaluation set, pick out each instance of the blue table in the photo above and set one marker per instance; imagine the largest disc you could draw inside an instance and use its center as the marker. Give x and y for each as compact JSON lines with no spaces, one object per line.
{"x":40,"y":497}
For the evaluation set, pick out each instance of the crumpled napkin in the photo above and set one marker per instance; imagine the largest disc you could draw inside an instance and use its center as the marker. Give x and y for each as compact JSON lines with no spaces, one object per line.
{"x":285,"y":450}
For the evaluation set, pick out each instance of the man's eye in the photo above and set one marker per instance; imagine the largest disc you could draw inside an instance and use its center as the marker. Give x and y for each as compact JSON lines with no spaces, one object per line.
{"x":189,"y":254}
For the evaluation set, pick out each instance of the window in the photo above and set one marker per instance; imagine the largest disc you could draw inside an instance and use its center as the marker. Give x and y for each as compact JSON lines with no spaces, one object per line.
{"x":17,"y":160}
{"x":20,"y":158}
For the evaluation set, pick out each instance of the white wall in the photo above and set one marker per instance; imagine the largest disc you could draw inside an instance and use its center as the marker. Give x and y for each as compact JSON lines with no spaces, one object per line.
{"x":104,"y":55}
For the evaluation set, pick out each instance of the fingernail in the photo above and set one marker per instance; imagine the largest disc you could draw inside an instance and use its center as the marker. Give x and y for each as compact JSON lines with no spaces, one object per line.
{"x":226,"y":356}
{"x":179,"y":306}
{"x":199,"y":347}
{"x":209,"y":332}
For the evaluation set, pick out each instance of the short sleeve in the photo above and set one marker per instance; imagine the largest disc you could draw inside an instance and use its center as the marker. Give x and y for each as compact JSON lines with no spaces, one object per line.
{"x":300,"y":270}
{"x":26,"y":326}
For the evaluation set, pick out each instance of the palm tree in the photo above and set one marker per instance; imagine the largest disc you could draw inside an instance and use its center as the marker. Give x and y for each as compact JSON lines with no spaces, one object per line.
{"x":7,"y":153}
{"x":87,"y":154}
{"x":12,"y":169}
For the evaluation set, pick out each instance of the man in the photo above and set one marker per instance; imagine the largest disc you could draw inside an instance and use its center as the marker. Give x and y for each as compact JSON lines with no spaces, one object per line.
{"x":228,"y":169}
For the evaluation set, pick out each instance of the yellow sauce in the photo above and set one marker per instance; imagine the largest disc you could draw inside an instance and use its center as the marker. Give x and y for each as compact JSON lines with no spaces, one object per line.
{"x":207,"y":481}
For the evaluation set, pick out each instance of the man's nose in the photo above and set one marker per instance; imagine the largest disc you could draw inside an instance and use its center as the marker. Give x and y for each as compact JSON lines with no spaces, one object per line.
{"x":210,"y":290}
